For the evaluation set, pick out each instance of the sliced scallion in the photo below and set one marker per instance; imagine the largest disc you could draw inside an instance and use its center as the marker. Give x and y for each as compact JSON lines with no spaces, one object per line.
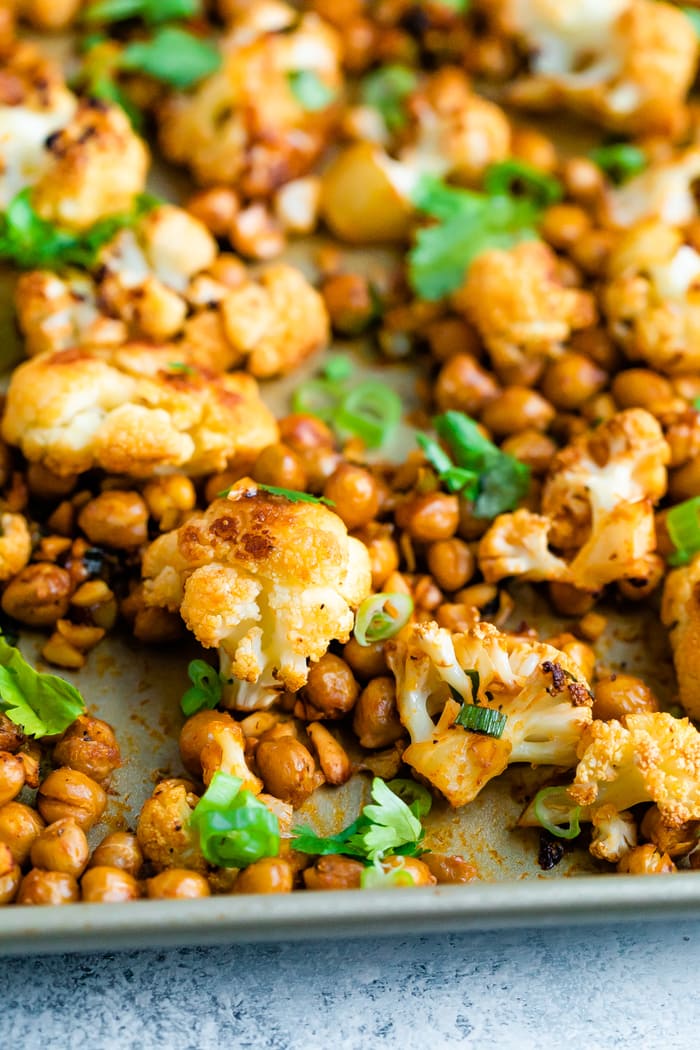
{"x":370,"y":411}
{"x":619,"y":160}
{"x":480,"y":719}
{"x":683,"y":527}
{"x":381,"y":616}
{"x":553,"y":808}
{"x":518,"y":178}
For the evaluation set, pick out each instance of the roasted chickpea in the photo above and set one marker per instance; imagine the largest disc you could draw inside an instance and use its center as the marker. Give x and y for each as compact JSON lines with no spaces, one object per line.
{"x":169,"y":498}
{"x":90,"y":746}
{"x":366,"y":661}
{"x":675,"y":841}
{"x":532,"y":146}
{"x":269,"y":875}
{"x":383,"y":556}
{"x":376,"y":720}
{"x":451,"y":563}
{"x":463,"y":385}
{"x":11,"y":736}
{"x":572,"y":379}
{"x":62,"y":846}
{"x":47,"y":15}
{"x":350,"y":302}
{"x":330,"y":690}
{"x":288,"y":770}
{"x":569,"y":601}
{"x":334,"y":873}
{"x":449,"y":336}
{"x":622,"y":694}
{"x":70,"y":793}
{"x":46,"y":485}
{"x":303,"y":433}
{"x":216,"y":208}
{"x":583,"y":179}
{"x":109,"y":885}
{"x":355,"y":493}
{"x":531,"y":447}
{"x":640,"y":388}
{"x":116,"y":519}
{"x":19,"y":827}
{"x":12,"y":776}
{"x":177,"y":884}
{"x":120,"y":849}
{"x":449,"y":867}
{"x":332,"y":756}
{"x":10,"y":875}
{"x":434,"y":516}
{"x":416,"y":870}
{"x":684,"y":482}
{"x":279,"y":465}
{"x":48,"y":887}
{"x":517,"y":408}
{"x":39,"y":595}
{"x":646,"y":860}
{"x":196,"y":734}
{"x":564,"y":224}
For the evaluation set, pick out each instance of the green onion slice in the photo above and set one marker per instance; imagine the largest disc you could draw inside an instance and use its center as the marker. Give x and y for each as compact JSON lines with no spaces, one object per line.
{"x":376,"y":877}
{"x":337,"y":368}
{"x":309,"y":90}
{"x":520,"y":179}
{"x":683,"y":525}
{"x":205,"y":692}
{"x":480,"y":719}
{"x":235,"y":829}
{"x":417,"y":798}
{"x":553,"y":807}
{"x":371,"y":411}
{"x":619,"y":160}
{"x":316,"y":397}
{"x":381,"y":616}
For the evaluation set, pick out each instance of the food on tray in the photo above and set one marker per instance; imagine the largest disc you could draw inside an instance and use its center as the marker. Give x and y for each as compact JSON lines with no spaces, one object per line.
{"x":350,"y":573}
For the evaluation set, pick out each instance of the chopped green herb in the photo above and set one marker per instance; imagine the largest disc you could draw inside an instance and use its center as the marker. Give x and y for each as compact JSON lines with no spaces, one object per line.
{"x":455,"y":479}
{"x":235,"y":829}
{"x":694,"y":15}
{"x":376,"y":877}
{"x":683,"y":527}
{"x":417,"y":798}
{"x":42,"y":704}
{"x":172,"y":56}
{"x":293,"y":496}
{"x":309,"y":90}
{"x":150,"y":11}
{"x":369,"y":409}
{"x":553,"y":807}
{"x":480,"y":719}
{"x":619,"y":160}
{"x":337,"y":368}
{"x":182,"y":367}
{"x":205,"y":691}
{"x":696,"y":404}
{"x":460,"y":7}
{"x":381,"y":616}
{"x":386,"y":90}
{"x":520,"y":179}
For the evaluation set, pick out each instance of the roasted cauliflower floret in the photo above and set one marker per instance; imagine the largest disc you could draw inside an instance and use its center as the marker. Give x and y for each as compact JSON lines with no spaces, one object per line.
{"x":627,"y":64}
{"x":15,"y":544}
{"x":48,"y":14}
{"x":135,"y":410}
{"x":225,"y":751}
{"x":680,"y":613}
{"x":267,"y":581}
{"x":652,"y":302}
{"x":252,"y":124}
{"x":163,"y":830}
{"x":57,"y":313}
{"x":597,"y":509}
{"x":520,"y":306}
{"x":541,"y":691}
{"x":663,"y":191}
{"x":614,"y":833}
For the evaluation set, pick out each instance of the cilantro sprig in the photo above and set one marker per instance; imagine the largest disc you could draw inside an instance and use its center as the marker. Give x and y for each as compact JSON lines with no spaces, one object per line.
{"x":41,"y":704}
{"x":149,"y":11}
{"x":386,"y":90}
{"x":309,"y":90}
{"x":205,"y":692}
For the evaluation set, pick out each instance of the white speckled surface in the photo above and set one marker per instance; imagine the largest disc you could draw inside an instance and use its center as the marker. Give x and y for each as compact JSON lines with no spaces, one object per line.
{"x":593,"y":988}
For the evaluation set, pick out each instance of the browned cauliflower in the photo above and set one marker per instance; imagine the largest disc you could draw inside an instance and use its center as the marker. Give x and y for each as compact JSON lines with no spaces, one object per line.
{"x":597,"y":510}
{"x":680,"y":613}
{"x":253,"y":123}
{"x":652,"y":301}
{"x":542,"y":692}
{"x":627,"y":64}
{"x":520,"y":306}
{"x":48,"y":14}
{"x":59,"y":312}
{"x":15,"y":544}
{"x":268,"y":581}
{"x":134,"y":410}
{"x":663,"y":191}
{"x":163,"y":829}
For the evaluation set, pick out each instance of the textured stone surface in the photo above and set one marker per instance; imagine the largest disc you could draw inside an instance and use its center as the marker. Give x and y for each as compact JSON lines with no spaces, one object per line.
{"x":586,"y":987}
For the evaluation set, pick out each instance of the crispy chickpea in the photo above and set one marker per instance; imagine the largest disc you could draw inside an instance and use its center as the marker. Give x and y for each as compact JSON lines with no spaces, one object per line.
{"x":19,"y":827}
{"x":448,"y":336}
{"x":684,"y":482}
{"x":583,"y":179}
{"x":376,"y":720}
{"x":383,"y":557}
{"x":350,"y":303}
{"x":531,"y":447}
{"x":640,"y":388}
{"x":569,"y":600}
{"x":62,"y":846}
{"x":572,"y":379}
{"x":49,"y":15}
{"x":319,"y":464}
{"x":332,"y":756}
{"x":532,"y":146}
{"x":11,"y":736}
{"x":43,"y":483}
{"x":216,"y":208}
{"x":70,"y":793}
{"x":90,"y":746}
{"x":366,"y":661}
{"x":177,"y":884}
{"x":302,"y":433}
{"x":48,"y":887}
{"x":646,"y":860}
{"x":622,"y":694}
{"x":518,"y":408}
{"x":676,"y":841}
{"x":12,"y":776}
{"x":39,"y":595}
{"x":279,"y":465}
{"x":288,"y":770}
{"x":449,"y":867}
{"x":564,"y":224}
{"x":196,"y":734}
{"x":120,"y":849}
{"x":592,"y":250}
{"x":434,"y":516}
{"x":463,"y":385}
{"x":269,"y":875}
{"x":355,"y":494}
{"x":648,"y":575}
{"x":451,"y":563}
{"x":330,"y":690}
{"x":10,"y":875}
{"x":597,"y":344}
{"x":417,"y":871}
{"x":109,"y":886}
{"x":116,"y":519}
{"x":169,"y":498}
{"x":334,"y":873}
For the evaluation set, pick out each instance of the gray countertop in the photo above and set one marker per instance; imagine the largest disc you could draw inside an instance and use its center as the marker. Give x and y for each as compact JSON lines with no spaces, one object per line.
{"x":592,"y":987}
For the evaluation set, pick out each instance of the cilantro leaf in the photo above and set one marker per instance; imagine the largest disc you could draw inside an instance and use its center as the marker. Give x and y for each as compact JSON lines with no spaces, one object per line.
{"x":173,"y":56}
{"x":386,"y":90}
{"x":469,"y":223}
{"x":693,"y":15}
{"x":293,"y":495}
{"x":309,"y":90}
{"x":42,"y":704}
{"x":150,"y":11}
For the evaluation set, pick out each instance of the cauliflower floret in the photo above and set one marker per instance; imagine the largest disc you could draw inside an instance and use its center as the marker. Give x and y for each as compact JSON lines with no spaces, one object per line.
{"x":680,"y":613}
{"x":225,"y":751}
{"x":268,"y":581}
{"x":163,"y":830}
{"x":251,"y":123}
{"x":662,"y":191}
{"x":597,"y":509}
{"x":15,"y":544}
{"x":627,"y":64}
{"x":56,"y":313}
{"x":541,"y":691}
{"x":614,"y":833}
{"x":520,"y":306}
{"x":652,"y":302}
{"x":135,"y":410}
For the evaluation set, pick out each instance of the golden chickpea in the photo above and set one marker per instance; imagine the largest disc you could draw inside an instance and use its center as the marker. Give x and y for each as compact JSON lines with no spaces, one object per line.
{"x":569,"y":601}
{"x":303,"y":433}
{"x":43,"y":483}
{"x":463,"y":385}
{"x":419,"y":873}
{"x":10,"y":875}
{"x":583,"y":179}
{"x":533,"y":448}
{"x":376,"y":720}
{"x":120,"y":849}
{"x":109,"y":886}
{"x":640,"y":388}
{"x":216,"y":208}
{"x":534,"y":148}
{"x":676,"y":841}
{"x":269,"y":875}
{"x":426,"y":594}
{"x":648,"y":575}
{"x":597,"y":344}
{"x":90,"y":746}
{"x":48,"y":887}
{"x":332,"y":756}
{"x":330,"y":690}
{"x":564,"y":224}
{"x":19,"y":828}
{"x":115,"y":519}
{"x":622,"y":694}
{"x":169,"y":498}
{"x":355,"y":493}
{"x":319,"y":464}
{"x":434,"y":516}
{"x":50,"y":15}
{"x":572,"y":379}
{"x":592,"y":250}
{"x":39,"y":595}
{"x":455,"y":616}
{"x":11,"y":736}
{"x":70,"y":793}
{"x":288,"y":769}
{"x":517,"y":408}
{"x":12,"y":776}
{"x":334,"y":873}
{"x":449,"y":336}
{"x":62,"y":846}
{"x":449,"y":868}
{"x":646,"y":860}
{"x":451,"y":563}
{"x":684,"y":482}
{"x":350,"y":303}
{"x":383,"y":557}
{"x":177,"y":884}
{"x":366,"y":661}
{"x":196,"y":734}
{"x":279,"y":465}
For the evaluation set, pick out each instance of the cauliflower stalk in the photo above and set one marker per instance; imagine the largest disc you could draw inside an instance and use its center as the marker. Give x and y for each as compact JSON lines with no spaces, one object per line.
{"x":542,"y":693}
{"x":268,"y":581}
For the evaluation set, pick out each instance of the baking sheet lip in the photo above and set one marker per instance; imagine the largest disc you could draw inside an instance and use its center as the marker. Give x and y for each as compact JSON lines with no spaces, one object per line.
{"x":152,"y":924}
